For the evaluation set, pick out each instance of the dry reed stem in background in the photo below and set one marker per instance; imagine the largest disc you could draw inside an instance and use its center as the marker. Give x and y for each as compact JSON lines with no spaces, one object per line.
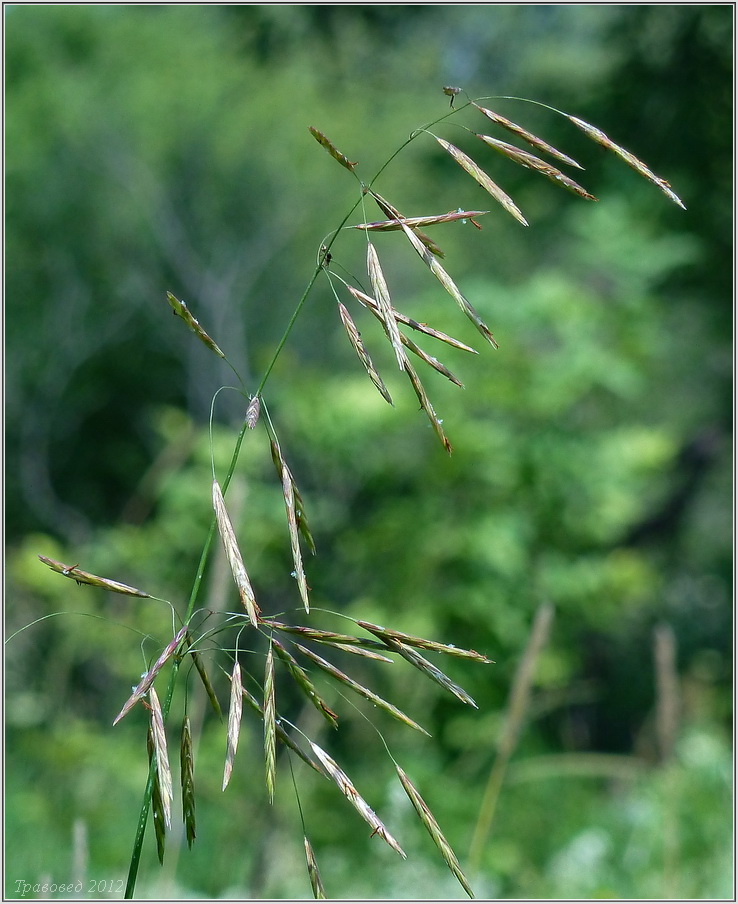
{"x":425,"y":404}
{"x":530,"y":161}
{"x":414,"y":222}
{"x":330,"y":669}
{"x":84,"y":577}
{"x":527,"y":136}
{"x":355,"y":799}
{"x":252,"y":413}
{"x":369,"y":302}
{"x":187,"y":778}
{"x":233,"y":554}
{"x":148,"y":679}
{"x":234,"y":723}
{"x":667,"y":690}
{"x":163,"y":771}
{"x":270,"y":728}
{"x":450,"y":286}
{"x":421,"y":642}
{"x":305,"y":684}
{"x":476,"y":172}
{"x":638,"y":165}
{"x":160,"y":831}
{"x":432,"y":672}
{"x":281,"y":733}
{"x":434,"y":830}
{"x":331,"y":148}
{"x":381,"y":293}
{"x":396,"y":216}
{"x":363,"y":355}
{"x":181,"y":310}
{"x":316,"y":883}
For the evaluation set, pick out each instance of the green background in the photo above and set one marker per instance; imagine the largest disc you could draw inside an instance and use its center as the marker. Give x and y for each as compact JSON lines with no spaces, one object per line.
{"x":157,"y":148}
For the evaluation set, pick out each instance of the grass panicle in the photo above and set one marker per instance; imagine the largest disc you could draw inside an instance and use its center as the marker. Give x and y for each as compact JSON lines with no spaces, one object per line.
{"x":359,"y":689}
{"x":529,"y":137}
{"x":355,"y":799}
{"x":434,"y":830}
{"x":235,"y":710}
{"x":316,"y":883}
{"x":331,"y":148}
{"x":530,"y":161}
{"x":163,"y":772}
{"x":305,"y":684}
{"x":187,"y":778}
{"x":148,"y":679}
{"x":270,"y":725}
{"x":233,"y":554}
{"x":84,"y":577}
{"x":181,"y":310}
{"x":476,"y":172}
{"x":363,"y":355}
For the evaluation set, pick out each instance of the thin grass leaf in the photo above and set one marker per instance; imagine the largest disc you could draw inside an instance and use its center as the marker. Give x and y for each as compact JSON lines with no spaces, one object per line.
{"x":477,"y":173}
{"x":84,"y":577}
{"x":181,"y":310}
{"x":316,"y":883}
{"x":160,"y":830}
{"x":638,"y":165}
{"x":163,"y":772}
{"x":252,"y":413}
{"x":450,"y":286}
{"x":530,"y":161}
{"x":355,"y":799}
{"x":270,"y":727}
{"x":363,"y":355}
{"x":331,"y":148}
{"x":369,"y":302}
{"x":233,"y":554}
{"x":321,"y":636}
{"x":281,"y":733}
{"x":414,"y":222}
{"x":421,"y":642}
{"x":434,"y":830}
{"x":145,"y":683}
{"x":381,"y":293}
{"x":305,"y":684}
{"x":432,"y":672}
{"x":425,"y":404}
{"x":200,"y":666}
{"x":234,"y":723}
{"x":187,"y":777}
{"x":302,"y":522}
{"x":360,"y":689}
{"x":527,"y":136}
{"x":396,"y":216}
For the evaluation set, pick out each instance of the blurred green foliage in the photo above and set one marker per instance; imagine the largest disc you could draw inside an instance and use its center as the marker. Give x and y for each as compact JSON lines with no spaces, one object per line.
{"x":166,"y":148}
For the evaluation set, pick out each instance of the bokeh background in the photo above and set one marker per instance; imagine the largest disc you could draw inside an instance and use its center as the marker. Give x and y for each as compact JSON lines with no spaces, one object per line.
{"x":155,"y":148}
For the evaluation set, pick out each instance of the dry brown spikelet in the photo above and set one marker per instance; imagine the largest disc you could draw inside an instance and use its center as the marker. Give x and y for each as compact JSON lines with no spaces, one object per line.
{"x":363,"y":355}
{"x":233,"y":554}
{"x":84,"y":577}
{"x":423,"y":643}
{"x":181,"y":310}
{"x":381,"y":293}
{"x":331,"y":148}
{"x":316,"y":883}
{"x":252,"y":413}
{"x":414,"y":222}
{"x":425,"y":404}
{"x":527,"y":136}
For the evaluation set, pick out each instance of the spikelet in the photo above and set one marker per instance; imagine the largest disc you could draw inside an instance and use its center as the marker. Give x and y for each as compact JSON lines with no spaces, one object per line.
{"x":84,"y":577}
{"x":148,"y":679}
{"x":421,"y":642}
{"x":270,"y":731}
{"x":450,"y":286}
{"x":160,"y":830}
{"x":530,"y":161}
{"x":233,"y":553}
{"x":476,"y":172}
{"x":363,"y":355}
{"x":527,"y":136}
{"x":381,"y":293}
{"x":355,"y":799}
{"x":234,"y":723}
{"x":434,"y":830}
{"x":305,"y":684}
{"x":316,"y":883}
{"x":321,"y":636}
{"x":360,"y":689}
{"x":163,"y":772}
{"x":434,"y":673}
{"x":638,"y":165}
{"x":425,"y":404}
{"x":414,"y":222}
{"x":187,"y":778}
{"x":204,"y":677}
{"x":252,"y":413}
{"x":302,"y":523}
{"x":331,"y":148}
{"x":430,"y":360}
{"x":394,"y":214}
{"x":181,"y":310}
{"x":357,"y":651}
